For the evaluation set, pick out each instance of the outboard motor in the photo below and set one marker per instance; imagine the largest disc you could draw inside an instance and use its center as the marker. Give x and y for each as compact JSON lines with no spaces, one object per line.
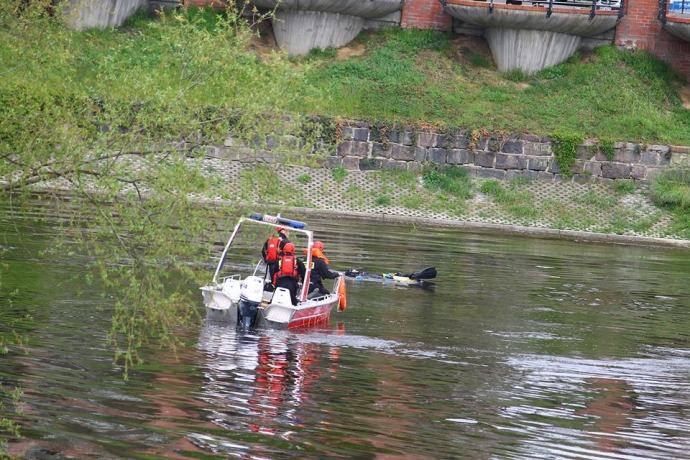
{"x":251,"y":294}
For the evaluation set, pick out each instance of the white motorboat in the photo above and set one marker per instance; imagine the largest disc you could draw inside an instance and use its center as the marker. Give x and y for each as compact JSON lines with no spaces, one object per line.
{"x":249,"y":301}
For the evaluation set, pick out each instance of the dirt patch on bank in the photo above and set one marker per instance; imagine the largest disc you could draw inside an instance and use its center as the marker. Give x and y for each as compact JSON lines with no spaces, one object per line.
{"x":350,"y":50}
{"x":466,"y":48}
{"x":684,"y":93}
{"x":263,"y":41}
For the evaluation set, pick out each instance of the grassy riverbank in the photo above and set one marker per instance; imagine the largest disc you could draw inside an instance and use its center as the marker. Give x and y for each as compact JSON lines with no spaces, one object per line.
{"x":100,"y":110}
{"x":393,"y":77}
{"x":449,"y":197}
{"x":195,"y":77}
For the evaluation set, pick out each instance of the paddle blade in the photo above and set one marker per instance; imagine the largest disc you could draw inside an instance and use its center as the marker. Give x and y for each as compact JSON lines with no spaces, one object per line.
{"x":426,"y":274}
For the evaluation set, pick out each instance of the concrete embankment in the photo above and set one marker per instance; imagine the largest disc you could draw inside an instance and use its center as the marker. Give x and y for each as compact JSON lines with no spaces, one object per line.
{"x":592,"y":212}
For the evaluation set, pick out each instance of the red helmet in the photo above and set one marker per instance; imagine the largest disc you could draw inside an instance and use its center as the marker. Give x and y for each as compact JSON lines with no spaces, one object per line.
{"x":318,"y":245}
{"x":281,"y":229}
{"x":289,"y":248}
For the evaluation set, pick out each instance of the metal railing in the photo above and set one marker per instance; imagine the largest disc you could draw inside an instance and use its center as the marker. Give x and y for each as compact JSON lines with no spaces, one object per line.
{"x":672,"y":7}
{"x":593,"y":5}
{"x":679,"y":6}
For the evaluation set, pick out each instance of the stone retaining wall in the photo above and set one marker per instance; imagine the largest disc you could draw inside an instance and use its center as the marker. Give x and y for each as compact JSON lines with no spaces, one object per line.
{"x":498,"y":155}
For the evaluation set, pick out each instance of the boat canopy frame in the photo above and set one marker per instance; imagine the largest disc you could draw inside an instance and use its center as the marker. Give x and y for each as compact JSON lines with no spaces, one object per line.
{"x":272,"y":221}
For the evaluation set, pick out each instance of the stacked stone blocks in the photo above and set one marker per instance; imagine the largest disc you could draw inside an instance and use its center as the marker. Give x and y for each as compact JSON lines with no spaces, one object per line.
{"x":489,"y":155}
{"x":497,"y":155}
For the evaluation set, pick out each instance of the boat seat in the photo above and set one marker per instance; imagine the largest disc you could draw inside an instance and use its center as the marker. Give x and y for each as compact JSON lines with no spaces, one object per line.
{"x":281,"y":297}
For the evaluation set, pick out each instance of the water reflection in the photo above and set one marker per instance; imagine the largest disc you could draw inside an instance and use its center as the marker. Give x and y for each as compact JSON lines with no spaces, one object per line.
{"x":258,"y":381}
{"x":611,"y":409}
{"x":524,"y":349}
{"x":578,"y":408}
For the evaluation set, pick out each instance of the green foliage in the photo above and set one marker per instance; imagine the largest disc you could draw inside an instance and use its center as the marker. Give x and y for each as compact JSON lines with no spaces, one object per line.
{"x":511,"y":195}
{"x":606,"y":147}
{"x":552,"y":73}
{"x":403,"y":179}
{"x":383,"y":200}
{"x":264,"y":182}
{"x":592,"y":198}
{"x":479,"y":60}
{"x":387,"y":83}
{"x":492,"y":188}
{"x":321,"y":54}
{"x":654,"y":72}
{"x":565,"y":151}
{"x":9,"y":428}
{"x":414,"y":201}
{"x":120,"y":117}
{"x":304,"y":179}
{"x":449,"y":179}
{"x":672,"y":189}
{"x":339,"y":174}
{"x":625,"y":187}
{"x":520,"y":181}
{"x":681,"y":224}
{"x":515,"y":75}
{"x":523,"y":211}
{"x":405,"y":75}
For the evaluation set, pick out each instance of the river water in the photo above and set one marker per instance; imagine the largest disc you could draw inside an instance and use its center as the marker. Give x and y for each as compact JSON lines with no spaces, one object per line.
{"x":521,"y":349}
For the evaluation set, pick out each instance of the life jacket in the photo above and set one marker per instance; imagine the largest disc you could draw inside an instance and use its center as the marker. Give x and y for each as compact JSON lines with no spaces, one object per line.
{"x":315,"y":252}
{"x":287,"y":266}
{"x":272,"y":248}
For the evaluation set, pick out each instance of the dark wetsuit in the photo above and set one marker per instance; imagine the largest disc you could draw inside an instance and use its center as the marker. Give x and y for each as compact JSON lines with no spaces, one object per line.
{"x":319,"y":272}
{"x":290,"y":282}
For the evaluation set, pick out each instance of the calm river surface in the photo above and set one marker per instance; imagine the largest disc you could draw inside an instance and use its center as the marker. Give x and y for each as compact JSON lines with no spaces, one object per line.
{"x":522,"y":349}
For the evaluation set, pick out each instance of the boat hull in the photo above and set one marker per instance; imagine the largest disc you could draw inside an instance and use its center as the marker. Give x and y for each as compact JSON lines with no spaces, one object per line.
{"x":305,"y":314}
{"x":219,"y":306}
{"x":278,"y":315}
{"x":251,"y":301}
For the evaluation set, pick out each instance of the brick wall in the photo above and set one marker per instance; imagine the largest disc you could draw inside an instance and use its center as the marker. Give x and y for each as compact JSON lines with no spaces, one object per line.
{"x":640,"y":29}
{"x":425,"y":14}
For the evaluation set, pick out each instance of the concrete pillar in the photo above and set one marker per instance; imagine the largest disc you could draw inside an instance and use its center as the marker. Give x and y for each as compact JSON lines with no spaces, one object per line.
{"x":529,"y":50}
{"x":300,"y":31}
{"x":86,"y":14}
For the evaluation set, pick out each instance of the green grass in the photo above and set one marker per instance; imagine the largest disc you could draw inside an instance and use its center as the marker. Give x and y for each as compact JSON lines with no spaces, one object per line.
{"x":383,"y":200}
{"x":671,"y":191}
{"x":403,"y":76}
{"x":505,"y":195}
{"x":625,"y":187}
{"x":591,"y":197}
{"x":304,"y":179}
{"x":451,"y":179}
{"x":339,"y":174}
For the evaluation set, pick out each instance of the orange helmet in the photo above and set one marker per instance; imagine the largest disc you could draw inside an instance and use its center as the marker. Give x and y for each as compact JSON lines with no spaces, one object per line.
{"x":318,"y":245}
{"x":289,"y":248}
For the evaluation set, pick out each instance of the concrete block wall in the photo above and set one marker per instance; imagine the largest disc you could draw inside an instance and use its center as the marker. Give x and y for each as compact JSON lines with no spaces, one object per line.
{"x":498,"y":155}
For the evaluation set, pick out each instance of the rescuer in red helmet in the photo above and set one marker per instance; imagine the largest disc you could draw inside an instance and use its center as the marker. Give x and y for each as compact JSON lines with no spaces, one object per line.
{"x":290,"y":272}
{"x":273,"y":248}
{"x":319,"y":271}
